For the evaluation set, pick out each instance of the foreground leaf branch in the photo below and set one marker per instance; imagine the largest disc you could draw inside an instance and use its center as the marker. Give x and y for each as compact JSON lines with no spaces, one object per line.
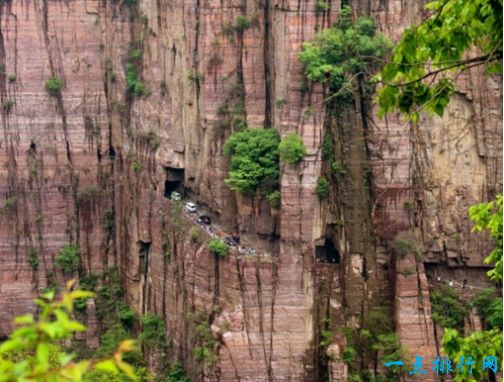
{"x":34,"y":352}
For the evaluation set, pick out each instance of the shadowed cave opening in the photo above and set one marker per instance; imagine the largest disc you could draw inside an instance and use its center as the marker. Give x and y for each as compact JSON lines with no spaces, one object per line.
{"x":144,"y":249}
{"x":327,"y":253}
{"x":174,"y":180}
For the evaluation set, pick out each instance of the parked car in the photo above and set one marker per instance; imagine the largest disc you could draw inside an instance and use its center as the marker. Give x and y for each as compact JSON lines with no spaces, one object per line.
{"x":175,"y":196}
{"x":204,"y":219}
{"x":190,"y":207}
{"x":230,"y":242}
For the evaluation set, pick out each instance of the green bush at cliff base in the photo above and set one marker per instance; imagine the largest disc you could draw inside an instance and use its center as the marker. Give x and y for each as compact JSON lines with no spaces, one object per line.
{"x":177,"y":374}
{"x":218,"y":247}
{"x":447,"y":308}
{"x":337,"y":55}
{"x":254,"y":160}
{"x":67,"y":259}
{"x":126,"y":315}
{"x":33,"y":351}
{"x":291,"y":148}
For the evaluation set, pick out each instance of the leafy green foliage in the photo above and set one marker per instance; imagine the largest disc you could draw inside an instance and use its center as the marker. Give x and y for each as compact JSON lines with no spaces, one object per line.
{"x":88,"y":283}
{"x":337,"y":55}
{"x":349,"y":355}
{"x":53,"y":85}
{"x":243,"y":22}
{"x":254,"y":160}
{"x":405,"y":245}
{"x":194,"y":76}
{"x":108,"y":219}
{"x":176,"y":219}
{"x":68,"y":259}
{"x":326,"y":337}
{"x":437,"y":50}
{"x":291,"y":148}
{"x":488,"y":216}
{"x":89,"y":194}
{"x":153,"y":330}
{"x":274,"y":198}
{"x":177,"y":374}
{"x":149,"y":139}
{"x":327,"y":148}
{"x":489,"y":307}
{"x":134,"y":85}
{"x":33,"y":257}
{"x":110,"y":340}
{"x":195,"y":234}
{"x":33,"y":352}
{"x":126,"y":316}
{"x":375,"y":342}
{"x":447,"y":308}
{"x":8,"y":104}
{"x":9,"y":207}
{"x":478,"y":344}
{"x":321,"y":6}
{"x":218,"y":247}
{"x":12,"y":78}
{"x":322,"y":188}
{"x":203,"y":339}
{"x":136,"y":166}
{"x":337,"y":169}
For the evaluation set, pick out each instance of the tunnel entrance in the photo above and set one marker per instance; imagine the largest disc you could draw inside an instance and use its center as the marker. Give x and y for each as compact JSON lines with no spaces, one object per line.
{"x":174,"y":179}
{"x":327,"y":253}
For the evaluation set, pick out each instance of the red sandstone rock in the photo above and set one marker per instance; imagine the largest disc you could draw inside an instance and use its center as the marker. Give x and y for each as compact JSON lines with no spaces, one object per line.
{"x":266,"y":322}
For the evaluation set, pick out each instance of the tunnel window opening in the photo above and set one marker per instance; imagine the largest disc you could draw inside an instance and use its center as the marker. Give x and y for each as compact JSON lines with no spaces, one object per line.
{"x":327,"y":253}
{"x":112,"y":153}
{"x":174,"y":181}
{"x":144,"y":248}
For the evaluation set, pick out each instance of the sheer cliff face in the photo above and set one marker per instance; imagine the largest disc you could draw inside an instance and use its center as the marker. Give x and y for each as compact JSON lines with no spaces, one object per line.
{"x":88,"y":151}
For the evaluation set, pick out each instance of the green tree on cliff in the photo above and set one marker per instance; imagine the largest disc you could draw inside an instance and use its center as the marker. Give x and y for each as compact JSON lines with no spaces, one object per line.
{"x":343,"y":55}
{"x":458,"y":35}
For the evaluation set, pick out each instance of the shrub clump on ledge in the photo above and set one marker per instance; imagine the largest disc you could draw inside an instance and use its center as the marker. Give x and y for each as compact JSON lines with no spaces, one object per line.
{"x":218,"y":247}
{"x":254,"y":160}
{"x":149,"y":139}
{"x":68,"y":259}
{"x":292,"y":150}
{"x":88,"y":194}
{"x":134,"y":85}
{"x":195,"y":234}
{"x":53,"y":85}
{"x":322,"y":189}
